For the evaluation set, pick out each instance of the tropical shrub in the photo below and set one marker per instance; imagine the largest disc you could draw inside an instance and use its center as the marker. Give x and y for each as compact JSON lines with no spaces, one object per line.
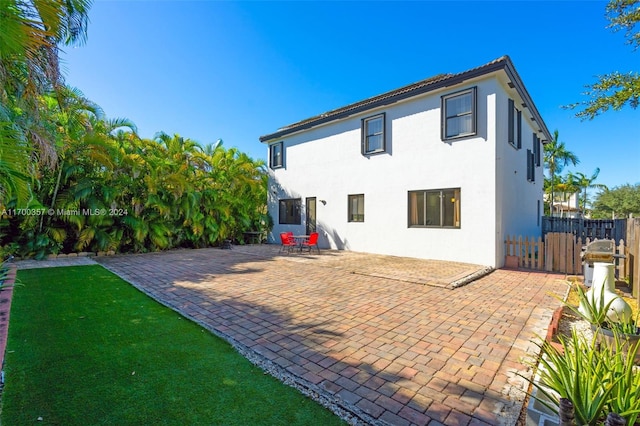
{"x":72,"y":180}
{"x":111,"y":190}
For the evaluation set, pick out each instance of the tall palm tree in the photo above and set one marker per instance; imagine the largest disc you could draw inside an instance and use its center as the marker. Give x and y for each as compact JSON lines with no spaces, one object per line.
{"x":583,"y":183}
{"x":556,"y":157}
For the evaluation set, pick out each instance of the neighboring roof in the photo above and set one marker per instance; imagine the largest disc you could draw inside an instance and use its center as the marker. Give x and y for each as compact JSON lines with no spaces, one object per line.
{"x":415,"y":89}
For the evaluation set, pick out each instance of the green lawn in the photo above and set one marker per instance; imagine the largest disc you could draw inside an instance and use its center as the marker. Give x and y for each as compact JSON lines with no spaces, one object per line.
{"x":87,"y":348}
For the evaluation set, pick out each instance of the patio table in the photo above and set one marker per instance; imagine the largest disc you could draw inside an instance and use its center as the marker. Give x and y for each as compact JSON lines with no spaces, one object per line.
{"x":300,"y":239}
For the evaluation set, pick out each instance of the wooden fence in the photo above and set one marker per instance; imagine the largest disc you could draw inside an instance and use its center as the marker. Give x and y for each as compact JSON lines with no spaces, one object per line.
{"x":633,"y":255}
{"x":557,"y":252}
{"x":610,"y":229}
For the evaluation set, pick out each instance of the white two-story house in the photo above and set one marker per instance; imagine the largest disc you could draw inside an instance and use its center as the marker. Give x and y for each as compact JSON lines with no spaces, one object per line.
{"x":445,"y":168}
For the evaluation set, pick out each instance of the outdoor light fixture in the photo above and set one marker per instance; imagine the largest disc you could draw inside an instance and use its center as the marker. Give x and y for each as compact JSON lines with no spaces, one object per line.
{"x":324,"y":203}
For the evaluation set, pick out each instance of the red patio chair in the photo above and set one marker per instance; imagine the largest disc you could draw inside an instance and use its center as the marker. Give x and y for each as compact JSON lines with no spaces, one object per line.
{"x":311,"y":242}
{"x":288,"y":242}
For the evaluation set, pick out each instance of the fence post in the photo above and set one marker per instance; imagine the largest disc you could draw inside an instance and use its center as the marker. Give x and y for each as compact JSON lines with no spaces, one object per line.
{"x":620,"y":262}
{"x":519,"y":251}
{"x":577,"y":259}
{"x":548,"y":264}
{"x":633,"y":262}
{"x":564,"y":253}
{"x":556,"y":251}
{"x":541,"y":259}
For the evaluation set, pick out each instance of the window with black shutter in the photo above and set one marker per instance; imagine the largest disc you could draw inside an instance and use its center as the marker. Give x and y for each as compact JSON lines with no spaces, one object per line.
{"x":276,"y":155}
{"x":531,"y":172}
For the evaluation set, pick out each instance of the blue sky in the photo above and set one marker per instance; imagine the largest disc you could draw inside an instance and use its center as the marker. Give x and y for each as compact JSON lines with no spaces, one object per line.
{"x":238,"y":70}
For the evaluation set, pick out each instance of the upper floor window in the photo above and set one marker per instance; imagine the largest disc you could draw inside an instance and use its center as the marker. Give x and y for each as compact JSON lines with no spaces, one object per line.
{"x":276,"y":155}
{"x":515,"y":125}
{"x":536,"y":149}
{"x":459,"y":114}
{"x":434,"y":208}
{"x":356,"y":208}
{"x":531,"y":169}
{"x":373,"y":140}
{"x":290,"y":211}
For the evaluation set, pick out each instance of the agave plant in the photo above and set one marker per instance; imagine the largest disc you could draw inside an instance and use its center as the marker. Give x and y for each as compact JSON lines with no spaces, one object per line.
{"x":597,"y":379}
{"x":598,"y":312}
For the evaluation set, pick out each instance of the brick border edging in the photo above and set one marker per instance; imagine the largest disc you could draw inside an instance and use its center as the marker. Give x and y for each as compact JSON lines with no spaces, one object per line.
{"x":6,"y":295}
{"x":553,"y":329}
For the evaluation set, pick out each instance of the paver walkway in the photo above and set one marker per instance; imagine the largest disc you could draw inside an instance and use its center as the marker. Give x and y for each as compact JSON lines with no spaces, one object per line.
{"x":388,"y":351}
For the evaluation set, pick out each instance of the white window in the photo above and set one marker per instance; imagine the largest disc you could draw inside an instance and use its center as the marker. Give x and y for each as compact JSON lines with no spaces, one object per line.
{"x":459,"y":114}
{"x":434,"y":208}
{"x":373,"y":140}
{"x":276,"y":155}
{"x":356,"y":208}
{"x":290,"y":211}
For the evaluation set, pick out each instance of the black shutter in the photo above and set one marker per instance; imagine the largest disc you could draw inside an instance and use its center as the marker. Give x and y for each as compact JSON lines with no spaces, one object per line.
{"x":363,"y":136}
{"x":384,"y":132}
{"x":538,"y":148}
{"x":271,"y":156}
{"x":533,"y":169}
{"x":443,"y":118}
{"x":519,"y":145}
{"x":535,"y":138}
{"x":511,"y":131}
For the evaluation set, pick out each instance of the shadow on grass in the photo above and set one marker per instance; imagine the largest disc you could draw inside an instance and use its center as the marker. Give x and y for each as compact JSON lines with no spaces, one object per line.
{"x":85,"y":347}
{"x":266,"y":308}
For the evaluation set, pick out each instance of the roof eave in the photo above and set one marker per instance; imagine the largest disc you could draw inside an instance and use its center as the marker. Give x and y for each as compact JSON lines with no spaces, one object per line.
{"x":503,"y":63}
{"x":524,"y":94}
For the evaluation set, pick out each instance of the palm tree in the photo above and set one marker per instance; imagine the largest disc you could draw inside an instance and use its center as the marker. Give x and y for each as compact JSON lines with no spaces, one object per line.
{"x":567,"y":185}
{"x":29,"y":39}
{"x":583,"y":182}
{"x":15,"y":168}
{"x":556,"y":157}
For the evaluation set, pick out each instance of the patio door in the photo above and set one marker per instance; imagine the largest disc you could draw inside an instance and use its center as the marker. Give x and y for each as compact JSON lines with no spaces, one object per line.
{"x":311,"y":215}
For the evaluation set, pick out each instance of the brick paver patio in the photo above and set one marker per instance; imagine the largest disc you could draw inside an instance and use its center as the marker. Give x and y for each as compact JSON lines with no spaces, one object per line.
{"x":342,"y":329}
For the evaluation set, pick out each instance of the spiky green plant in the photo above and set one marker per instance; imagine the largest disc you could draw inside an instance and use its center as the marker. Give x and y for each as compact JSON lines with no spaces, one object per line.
{"x":625,"y":393}
{"x":596,"y":378}
{"x":579,"y":373}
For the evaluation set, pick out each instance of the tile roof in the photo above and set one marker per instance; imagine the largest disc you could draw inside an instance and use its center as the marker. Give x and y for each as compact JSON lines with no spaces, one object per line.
{"x":411,"y":90}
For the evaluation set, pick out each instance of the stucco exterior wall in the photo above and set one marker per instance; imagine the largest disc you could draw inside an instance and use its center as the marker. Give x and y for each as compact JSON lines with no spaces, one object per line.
{"x":520,"y":206}
{"x":326,"y":163}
